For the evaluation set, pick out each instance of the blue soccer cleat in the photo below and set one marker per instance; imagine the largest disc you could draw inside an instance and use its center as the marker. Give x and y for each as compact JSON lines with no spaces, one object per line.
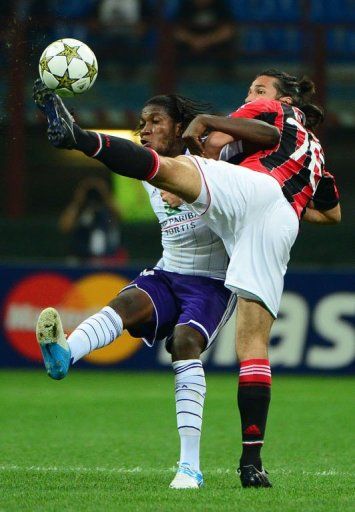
{"x":60,"y":121}
{"x":53,"y":344}
{"x":186,"y":478}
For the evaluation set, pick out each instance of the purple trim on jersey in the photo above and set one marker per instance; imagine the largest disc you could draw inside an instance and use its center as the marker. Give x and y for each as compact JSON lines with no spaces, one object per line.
{"x":201,"y":302}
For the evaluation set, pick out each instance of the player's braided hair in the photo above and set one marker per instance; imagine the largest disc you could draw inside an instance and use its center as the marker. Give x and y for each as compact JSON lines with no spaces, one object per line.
{"x":301,"y":91}
{"x":180,"y":108}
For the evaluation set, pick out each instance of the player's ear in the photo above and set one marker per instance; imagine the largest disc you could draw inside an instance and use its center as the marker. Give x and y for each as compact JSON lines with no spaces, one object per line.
{"x":286,"y":99}
{"x":178,"y":129}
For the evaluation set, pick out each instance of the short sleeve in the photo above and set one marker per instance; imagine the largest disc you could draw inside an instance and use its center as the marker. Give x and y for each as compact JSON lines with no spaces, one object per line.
{"x":256,"y":109}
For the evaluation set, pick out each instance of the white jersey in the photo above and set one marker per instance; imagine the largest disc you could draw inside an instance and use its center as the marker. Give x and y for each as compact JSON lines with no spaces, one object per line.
{"x":189,"y":245}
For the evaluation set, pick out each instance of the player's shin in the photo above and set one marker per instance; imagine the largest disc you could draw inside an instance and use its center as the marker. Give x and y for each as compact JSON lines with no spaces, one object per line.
{"x":119,"y":155}
{"x":254,"y":393}
{"x":190,"y":391}
{"x":95,"y":332}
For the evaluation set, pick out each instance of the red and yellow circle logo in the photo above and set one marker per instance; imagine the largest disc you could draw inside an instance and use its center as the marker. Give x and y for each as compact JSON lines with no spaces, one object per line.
{"x":75,"y":301}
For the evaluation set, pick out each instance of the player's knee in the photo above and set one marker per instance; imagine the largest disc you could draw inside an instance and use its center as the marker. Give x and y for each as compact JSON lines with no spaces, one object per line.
{"x":187,"y":343}
{"x":134,"y":307}
{"x":122,"y":307}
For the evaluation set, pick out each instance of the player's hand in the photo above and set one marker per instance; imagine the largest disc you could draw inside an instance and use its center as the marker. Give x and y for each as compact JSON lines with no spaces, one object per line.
{"x":326,"y":195}
{"x":193,"y":136}
{"x":172,"y":200}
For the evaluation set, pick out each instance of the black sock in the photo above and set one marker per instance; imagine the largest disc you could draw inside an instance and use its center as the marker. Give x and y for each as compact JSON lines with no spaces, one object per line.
{"x":119,"y":155}
{"x":253,"y":403}
{"x":254,"y":394}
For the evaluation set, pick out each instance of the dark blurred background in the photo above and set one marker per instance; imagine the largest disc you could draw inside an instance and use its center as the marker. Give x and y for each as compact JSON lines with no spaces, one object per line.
{"x":162,"y":46}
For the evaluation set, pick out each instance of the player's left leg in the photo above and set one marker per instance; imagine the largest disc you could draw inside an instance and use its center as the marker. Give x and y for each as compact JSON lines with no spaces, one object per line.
{"x":130,"y":308}
{"x":256,"y":271}
{"x":254,"y":390}
{"x":53,"y":344}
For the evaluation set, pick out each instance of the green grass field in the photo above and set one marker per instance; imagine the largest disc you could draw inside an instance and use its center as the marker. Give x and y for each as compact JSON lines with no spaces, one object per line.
{"x":107,"y":441}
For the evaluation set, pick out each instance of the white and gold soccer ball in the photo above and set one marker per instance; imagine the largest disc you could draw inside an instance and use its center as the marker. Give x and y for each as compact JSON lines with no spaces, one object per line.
{"x":68,"y":67}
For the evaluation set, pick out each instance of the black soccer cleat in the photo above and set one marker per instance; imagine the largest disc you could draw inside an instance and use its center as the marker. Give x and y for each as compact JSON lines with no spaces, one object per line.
{"x":60,"y":121}
{"x":252,"y":477}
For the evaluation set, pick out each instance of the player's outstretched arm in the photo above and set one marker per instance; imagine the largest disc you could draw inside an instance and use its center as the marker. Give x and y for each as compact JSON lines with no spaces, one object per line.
{"x":254,"y":131}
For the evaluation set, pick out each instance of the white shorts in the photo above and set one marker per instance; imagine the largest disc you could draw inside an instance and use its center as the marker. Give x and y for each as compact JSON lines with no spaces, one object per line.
{"x":257,"y":224}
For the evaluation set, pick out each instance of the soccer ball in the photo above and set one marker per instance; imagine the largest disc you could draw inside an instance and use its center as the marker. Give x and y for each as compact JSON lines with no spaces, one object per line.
{"x":68,"y":67}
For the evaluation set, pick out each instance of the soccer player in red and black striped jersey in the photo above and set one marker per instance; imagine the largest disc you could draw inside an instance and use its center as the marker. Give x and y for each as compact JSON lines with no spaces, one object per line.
{"x":297,"y":163}
{"x":255,"y":207}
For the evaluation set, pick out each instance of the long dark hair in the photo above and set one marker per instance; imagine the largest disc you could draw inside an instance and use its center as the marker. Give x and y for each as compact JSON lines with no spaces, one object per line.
{"x":180,"y":108}
{"x":301,"y":91}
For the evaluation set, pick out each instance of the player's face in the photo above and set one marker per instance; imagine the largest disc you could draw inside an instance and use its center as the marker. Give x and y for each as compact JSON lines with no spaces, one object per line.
{"x":158,"y":131}
{"x":265,"y":87}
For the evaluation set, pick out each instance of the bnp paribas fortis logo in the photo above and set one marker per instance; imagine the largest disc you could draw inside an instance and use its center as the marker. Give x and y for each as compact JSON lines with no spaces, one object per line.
{"x":169,"y":210}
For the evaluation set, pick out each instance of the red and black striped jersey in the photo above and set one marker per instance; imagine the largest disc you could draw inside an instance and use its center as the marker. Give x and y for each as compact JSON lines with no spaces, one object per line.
{"x":297,"y":161}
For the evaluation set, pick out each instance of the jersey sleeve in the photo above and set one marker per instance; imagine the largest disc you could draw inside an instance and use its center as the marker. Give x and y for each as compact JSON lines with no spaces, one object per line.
{"x":326,"y":195}
{"x":264,"y":110}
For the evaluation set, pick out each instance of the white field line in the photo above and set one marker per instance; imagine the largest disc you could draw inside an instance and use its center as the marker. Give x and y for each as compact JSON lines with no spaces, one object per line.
{"x":98,"y":469}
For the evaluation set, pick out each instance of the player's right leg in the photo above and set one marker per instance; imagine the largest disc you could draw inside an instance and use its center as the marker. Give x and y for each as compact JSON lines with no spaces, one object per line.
{"x":190,"y":390}
{"x":206,"y":305}
{"x":132,"y":307}
{"x":176,"y":175}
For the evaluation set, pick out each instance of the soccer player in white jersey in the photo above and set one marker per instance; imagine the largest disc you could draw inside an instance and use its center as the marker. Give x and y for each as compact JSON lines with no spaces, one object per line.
{"x":254,"y":207}
{"x":182,"y":299}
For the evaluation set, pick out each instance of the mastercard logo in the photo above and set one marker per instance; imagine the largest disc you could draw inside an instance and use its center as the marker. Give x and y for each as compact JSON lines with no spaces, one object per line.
{"x":75,"y":301}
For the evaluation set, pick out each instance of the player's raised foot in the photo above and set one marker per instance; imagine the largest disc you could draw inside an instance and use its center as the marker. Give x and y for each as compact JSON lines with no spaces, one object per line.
{"x":252,"y":477}
{"x":40,"y":94}
{"x":53,"y":344}
{"x":60,"y":121}
{"x":186,"y":478}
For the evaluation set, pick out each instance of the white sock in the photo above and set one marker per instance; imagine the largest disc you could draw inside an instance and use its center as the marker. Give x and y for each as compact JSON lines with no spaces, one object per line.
{"x":190,"y":391}
{"x":97,"y":331}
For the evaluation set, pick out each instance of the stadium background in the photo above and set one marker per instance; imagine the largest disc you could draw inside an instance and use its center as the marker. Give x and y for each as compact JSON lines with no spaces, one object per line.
{"x":315,"y":331}
{"x":105,"y":438}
